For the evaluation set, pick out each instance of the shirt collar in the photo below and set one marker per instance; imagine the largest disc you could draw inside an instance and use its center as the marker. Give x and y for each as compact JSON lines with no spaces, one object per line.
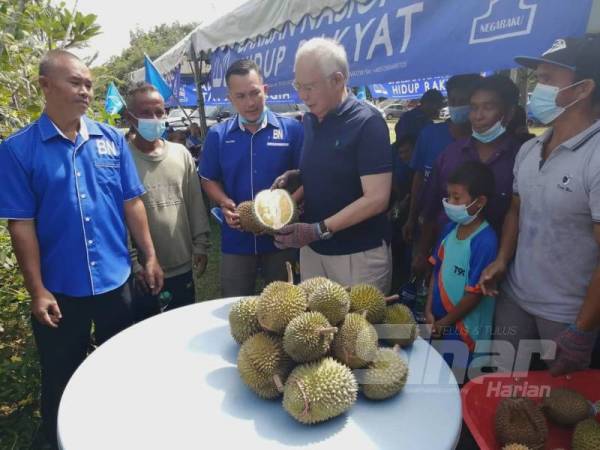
{"x":340,"y":109}
{"x":578,"y":140}
{"x":270,"y":119}
{"x":50,"y":130}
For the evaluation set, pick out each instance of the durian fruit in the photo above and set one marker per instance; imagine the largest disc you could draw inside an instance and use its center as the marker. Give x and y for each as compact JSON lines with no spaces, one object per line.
{"x":308,"y":337}
{"x":515,"y":447}
{"x":274,"y":209}
{"x":401,"y":324}
{"x":365,"y":297}
{"x":318,"y":391}
{"x":520,"y":420}
{"x":263,"y":364}
{"x":332,"y":300}
{"x":279,"y":303}
{"x":243,"y":322}
{"x":355,"y":344}
{"x":385,"y":376}
{"x":248,"y":221}
{"x":586,"y":435}
{"x":310,"y":285}
{"x":566,"y":406}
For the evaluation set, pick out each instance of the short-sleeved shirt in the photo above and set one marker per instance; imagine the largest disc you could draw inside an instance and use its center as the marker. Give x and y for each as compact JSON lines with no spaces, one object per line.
{"x":458,"y":264}
{"x":557,"y":253}
{"x":411,"y":123}
{"x":457,"y":153}
{"x":245,"y":164}
{"x":75,"y":192}
{"x":432,"y":140}
{"x":351,"y":142}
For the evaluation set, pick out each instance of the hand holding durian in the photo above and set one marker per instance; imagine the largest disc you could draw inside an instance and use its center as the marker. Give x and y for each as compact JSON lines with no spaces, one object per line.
{"x":303,"y":342}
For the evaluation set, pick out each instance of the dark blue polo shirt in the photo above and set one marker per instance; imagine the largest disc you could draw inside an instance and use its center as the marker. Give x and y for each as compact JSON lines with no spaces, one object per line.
{"x":351,"y":142}
{"x":245,"y":164}
{"x":75,"y":193}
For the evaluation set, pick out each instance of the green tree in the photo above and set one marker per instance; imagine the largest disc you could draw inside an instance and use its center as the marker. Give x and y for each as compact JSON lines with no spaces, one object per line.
{"x":153,"y":43}
{"x":27,"y":30}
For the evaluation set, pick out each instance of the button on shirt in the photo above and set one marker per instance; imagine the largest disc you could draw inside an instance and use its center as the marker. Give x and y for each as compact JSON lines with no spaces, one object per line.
{"x":351,"y":141}
{"x":75,"y":192}
{"x":560,"y":203}
{"x":245,"y":164}
{"x":501,"y":163}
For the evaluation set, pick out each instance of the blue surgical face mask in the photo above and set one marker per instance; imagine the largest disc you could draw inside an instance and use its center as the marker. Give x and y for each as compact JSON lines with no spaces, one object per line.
{"x":459,"y":114}
{"x":459,"y":213}
{"x":151,"y":129}
{"x":542,"y":103}
{"x":490,"y":134}
{"x":258,"y":121}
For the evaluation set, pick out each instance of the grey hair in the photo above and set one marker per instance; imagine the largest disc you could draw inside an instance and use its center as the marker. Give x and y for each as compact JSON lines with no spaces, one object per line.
{"x":329,"y":54}
{"x":52,"y":59}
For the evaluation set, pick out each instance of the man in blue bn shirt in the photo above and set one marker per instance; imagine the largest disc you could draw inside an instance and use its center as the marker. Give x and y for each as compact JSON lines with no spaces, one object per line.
{"x":69,"y":187}
{"x":346,"y":173}
{"x":241,"y":157}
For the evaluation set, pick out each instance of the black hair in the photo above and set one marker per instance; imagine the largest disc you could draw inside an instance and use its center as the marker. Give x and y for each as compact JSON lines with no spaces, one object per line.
{"x":587,"y":63}
{"x":139,"y":88}
{"x":465,"y":82}
{"x":503,"y":87}
{"x":242,"y":67}
{"x":432,"y":96}
{"x":476,"y":177}
{"x":406,"y":139}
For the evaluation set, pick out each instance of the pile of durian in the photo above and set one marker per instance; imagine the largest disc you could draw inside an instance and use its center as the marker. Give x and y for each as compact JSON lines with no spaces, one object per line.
{"x":303,"y":342}
{"x":521,"y":423}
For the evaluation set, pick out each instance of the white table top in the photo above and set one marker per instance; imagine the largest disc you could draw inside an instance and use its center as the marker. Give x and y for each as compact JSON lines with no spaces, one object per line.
{"x":171,"y":383}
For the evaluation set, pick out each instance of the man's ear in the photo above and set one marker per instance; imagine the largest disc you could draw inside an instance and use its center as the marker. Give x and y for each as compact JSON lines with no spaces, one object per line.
{"x":44,"y":82}
{"x":587,"y":88}
{"x":129,"y":117}
{"x":482,"y":201}
{"x":266,"y":88}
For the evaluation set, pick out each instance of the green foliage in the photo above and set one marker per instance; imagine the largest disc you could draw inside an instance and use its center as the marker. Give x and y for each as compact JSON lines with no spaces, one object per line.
{"x":19,"y":369}
{"x":27,"y":30}
{"x":153,"y":43}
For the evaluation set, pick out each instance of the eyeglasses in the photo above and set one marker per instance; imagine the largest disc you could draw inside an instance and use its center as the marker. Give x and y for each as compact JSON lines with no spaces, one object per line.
{"x":310,"y":87}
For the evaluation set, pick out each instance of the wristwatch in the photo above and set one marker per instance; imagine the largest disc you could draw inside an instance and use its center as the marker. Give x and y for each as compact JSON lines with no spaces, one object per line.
{"x":324,"y":232}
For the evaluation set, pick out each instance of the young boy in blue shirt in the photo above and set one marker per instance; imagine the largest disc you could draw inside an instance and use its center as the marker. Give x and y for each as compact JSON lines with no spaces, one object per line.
{"x":456,"y":307}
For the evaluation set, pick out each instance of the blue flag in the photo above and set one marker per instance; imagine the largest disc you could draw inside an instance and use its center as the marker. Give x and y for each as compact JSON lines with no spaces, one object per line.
{"x":114,"y":102}
{"x":154,"y":78}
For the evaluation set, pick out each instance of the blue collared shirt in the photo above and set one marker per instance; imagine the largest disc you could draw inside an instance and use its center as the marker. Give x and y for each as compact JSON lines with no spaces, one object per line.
{"x":245,"y":164}
{"x":351,"y":142}
{"x":75,"y":192}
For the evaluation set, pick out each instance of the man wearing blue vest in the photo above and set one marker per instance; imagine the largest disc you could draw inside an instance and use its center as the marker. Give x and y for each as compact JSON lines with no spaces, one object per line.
{"x":241,"y":157}
{"x":346,"y":172}
{"x":70,"y":190}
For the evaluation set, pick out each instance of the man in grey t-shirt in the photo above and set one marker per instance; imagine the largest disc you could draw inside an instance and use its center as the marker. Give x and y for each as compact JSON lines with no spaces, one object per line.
{"x":552,"y":287}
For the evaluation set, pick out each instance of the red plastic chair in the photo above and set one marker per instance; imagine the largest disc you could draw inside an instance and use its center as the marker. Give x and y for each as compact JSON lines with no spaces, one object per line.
{"x":481,"y":396}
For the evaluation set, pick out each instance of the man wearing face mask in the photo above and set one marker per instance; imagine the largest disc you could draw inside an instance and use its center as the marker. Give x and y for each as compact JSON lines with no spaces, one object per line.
{"x":550,"y":247}
{"x":241,"y":157}
{"x":174,"y":204}
{"x":493,"y":103}
{"x":432,"y":140}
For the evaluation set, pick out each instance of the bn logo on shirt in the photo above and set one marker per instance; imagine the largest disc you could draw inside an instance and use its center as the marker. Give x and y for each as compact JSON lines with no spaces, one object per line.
{"x":277,"y":134}
{"x":106,"y":148}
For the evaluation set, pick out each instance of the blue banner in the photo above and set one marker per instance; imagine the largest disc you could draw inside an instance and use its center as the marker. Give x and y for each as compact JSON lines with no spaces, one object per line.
{"x":408,"y":89}
{"x":389,"y":40}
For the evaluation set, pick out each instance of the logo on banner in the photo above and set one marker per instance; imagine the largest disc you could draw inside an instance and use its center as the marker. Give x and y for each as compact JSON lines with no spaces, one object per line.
{"x":504,"y":19}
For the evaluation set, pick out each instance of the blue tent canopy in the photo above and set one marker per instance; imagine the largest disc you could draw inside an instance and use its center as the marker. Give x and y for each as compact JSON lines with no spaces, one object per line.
{"x":389,"y":40}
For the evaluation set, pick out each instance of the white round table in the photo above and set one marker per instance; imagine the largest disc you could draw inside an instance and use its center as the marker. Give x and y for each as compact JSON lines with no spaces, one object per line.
{"x":171,"y":383}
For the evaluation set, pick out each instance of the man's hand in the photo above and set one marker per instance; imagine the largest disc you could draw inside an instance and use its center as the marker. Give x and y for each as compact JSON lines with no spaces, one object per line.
{"x":297,"y":235}
{"x":289,"y":180}
{"x":153,"y":276}
{"x":574,"y":350}
{"x":140,"y":281}
{"x":491,"y":276}
{"x":44,"y":308}
{"x":231,"y":217}
{"x":200,"y":262}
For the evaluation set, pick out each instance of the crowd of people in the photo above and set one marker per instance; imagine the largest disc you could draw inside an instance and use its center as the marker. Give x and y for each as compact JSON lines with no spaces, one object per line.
{"x":503,"y":226}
